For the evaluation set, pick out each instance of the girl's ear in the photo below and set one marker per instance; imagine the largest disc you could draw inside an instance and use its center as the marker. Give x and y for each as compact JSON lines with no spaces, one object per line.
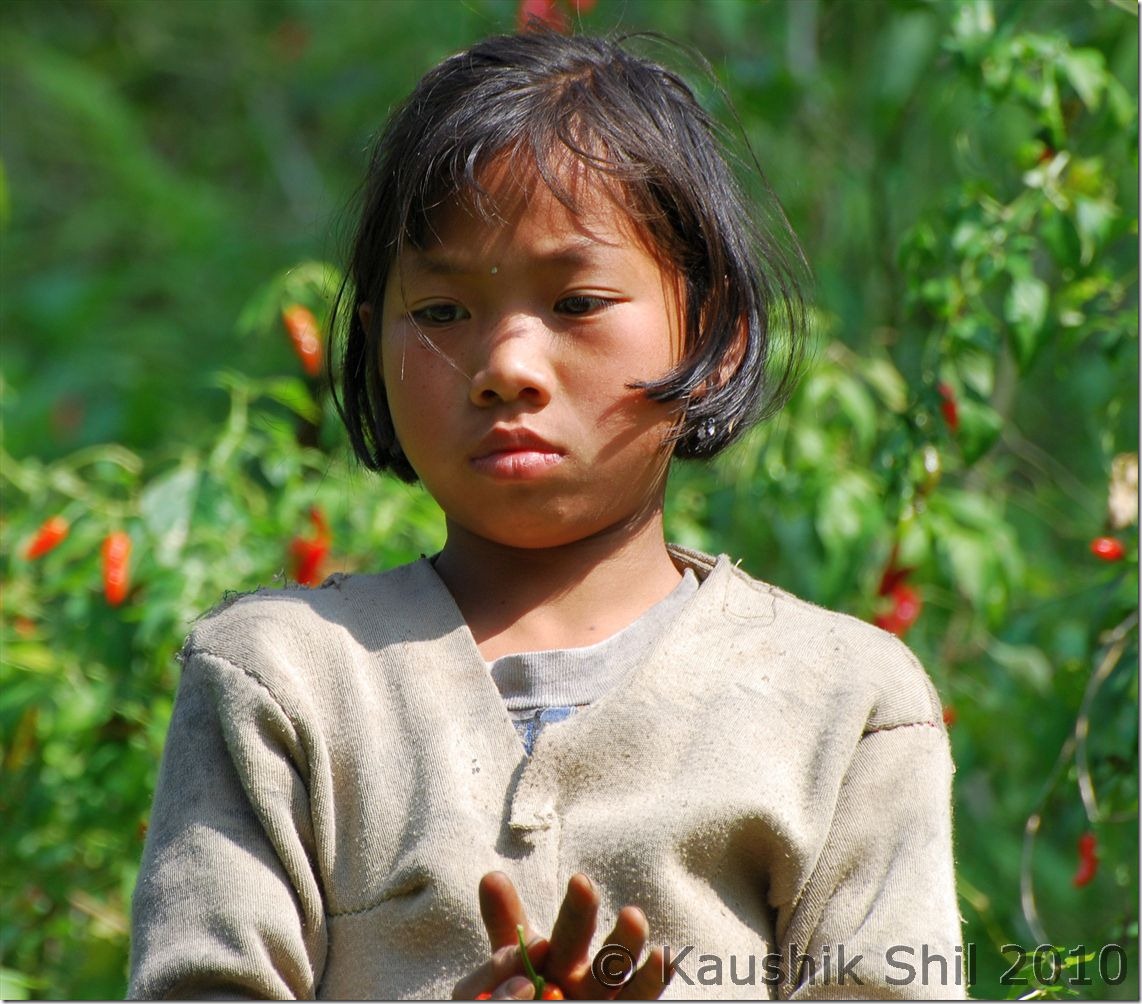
{"x":735,"y":353}
{"x":730,"y":362}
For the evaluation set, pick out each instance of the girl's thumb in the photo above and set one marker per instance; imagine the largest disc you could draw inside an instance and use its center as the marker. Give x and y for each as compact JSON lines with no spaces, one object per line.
{"x":519,"y":988}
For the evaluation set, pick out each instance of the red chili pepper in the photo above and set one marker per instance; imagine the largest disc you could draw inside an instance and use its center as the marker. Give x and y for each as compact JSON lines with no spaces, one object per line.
{"x":50,"y":534}
{"x":116,"y":567}
{"x":320,"y":525}
{"x":950,"y":715}
{"x":948,"y":406}
{"x":1088,"y":860}
{"x":547,"y":12}
{"x":1107,"y":548}
{"x":906,"y":607}
{"x":308,"y":553}
{"x":305,"y":334}
{"x":485,"y":996}
{"x":894,"y":575}
{"x":307,"y":556}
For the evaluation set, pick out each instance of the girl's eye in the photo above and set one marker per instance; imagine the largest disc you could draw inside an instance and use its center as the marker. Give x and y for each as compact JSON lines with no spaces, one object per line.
{"x":580,"y":304}
{"x":437,"y":314}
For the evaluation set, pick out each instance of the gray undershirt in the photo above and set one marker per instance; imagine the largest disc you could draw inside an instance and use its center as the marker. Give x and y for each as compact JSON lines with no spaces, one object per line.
{"x":544,"y":687}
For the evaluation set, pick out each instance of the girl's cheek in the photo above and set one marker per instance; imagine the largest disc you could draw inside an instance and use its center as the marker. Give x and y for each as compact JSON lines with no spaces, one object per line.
{"x":412,"y":360}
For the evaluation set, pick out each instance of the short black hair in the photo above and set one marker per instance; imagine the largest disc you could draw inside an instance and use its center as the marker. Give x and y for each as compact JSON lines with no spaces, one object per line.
{"x":546,"y":96}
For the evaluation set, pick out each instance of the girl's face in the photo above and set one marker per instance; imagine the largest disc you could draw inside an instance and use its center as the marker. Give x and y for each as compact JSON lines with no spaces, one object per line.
{"x":507,"y":349}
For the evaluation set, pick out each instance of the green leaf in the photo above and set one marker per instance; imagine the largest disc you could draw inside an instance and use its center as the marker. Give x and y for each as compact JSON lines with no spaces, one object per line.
{"x":845,"y":509}
{"x":1121,"y":103}
{"x":969,"y":557}
{"x":1052,"y":110}
{"x":31,"y":655}
{"x":166,"y":505}
{"x":980,"y":426}
{"x":971,"y":510}
{"x":974,"y":25}
{"x":292,"y":392}
{"x":1086,"y":70}
{"x":976,"y":370}
{"x":808,"y":447}
{"x":888,"y":382}
{"x":1025,"y":662}
{"x":313,"y":279}
{"x":905,"y":52}
{"x":15,"y":986}
{"x":1025,"y":309}
{"x":969,"y":239}
{"x":311,"y":283}
{"x":914,"y":542}
{"x":260,"y":312}
{"x":857,"y":405}
{"x":1093,"y":219}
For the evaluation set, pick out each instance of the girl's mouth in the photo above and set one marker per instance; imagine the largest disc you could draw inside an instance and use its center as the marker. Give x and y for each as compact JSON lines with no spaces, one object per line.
{"x":514,"y":453}
{"x":515,"y":463}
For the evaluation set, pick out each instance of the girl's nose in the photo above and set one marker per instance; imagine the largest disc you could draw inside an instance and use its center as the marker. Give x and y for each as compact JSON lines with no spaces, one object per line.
{"x":514,"y":367}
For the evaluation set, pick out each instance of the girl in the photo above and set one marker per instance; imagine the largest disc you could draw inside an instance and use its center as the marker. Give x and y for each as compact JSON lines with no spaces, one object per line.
{"x":555,"y":288}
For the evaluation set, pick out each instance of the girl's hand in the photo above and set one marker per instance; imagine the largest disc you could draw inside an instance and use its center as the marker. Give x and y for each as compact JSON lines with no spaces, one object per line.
{"x":564,"y":960}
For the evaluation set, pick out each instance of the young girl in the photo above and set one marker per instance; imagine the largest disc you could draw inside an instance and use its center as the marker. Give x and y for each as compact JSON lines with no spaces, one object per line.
{"x":559,"y":721}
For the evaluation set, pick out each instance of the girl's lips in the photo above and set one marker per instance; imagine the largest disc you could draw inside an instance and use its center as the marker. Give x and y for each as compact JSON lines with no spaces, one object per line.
{"x":517,"y":462}
{"x":507,"y":452}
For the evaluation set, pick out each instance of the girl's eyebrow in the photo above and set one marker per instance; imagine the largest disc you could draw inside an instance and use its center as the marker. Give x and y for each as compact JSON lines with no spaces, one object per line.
{"x":576,"y":251}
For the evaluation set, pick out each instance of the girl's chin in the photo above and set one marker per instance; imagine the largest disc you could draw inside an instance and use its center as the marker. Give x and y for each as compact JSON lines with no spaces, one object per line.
{"x":517,"y":529}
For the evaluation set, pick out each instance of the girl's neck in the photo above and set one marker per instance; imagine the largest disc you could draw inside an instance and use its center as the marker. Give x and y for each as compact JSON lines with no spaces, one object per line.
{"x":532,"y":599}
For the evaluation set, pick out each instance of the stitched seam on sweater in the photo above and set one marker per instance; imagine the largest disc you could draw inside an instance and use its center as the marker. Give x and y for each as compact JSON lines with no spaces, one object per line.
{"x":901,"y":725}
{"x":336,"y":914}
{"x":293,"y":719}
{"x":199,"y":650}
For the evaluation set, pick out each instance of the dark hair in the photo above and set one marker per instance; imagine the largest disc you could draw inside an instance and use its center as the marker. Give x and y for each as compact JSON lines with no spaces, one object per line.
{"x":545,"y":96}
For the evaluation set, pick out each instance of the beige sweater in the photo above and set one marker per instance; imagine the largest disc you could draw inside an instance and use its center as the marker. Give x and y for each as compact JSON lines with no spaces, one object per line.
{"x":341,"y":770}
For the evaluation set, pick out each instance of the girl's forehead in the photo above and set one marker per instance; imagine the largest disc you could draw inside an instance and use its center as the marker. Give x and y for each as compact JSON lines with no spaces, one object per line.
{"x":568,"y":197}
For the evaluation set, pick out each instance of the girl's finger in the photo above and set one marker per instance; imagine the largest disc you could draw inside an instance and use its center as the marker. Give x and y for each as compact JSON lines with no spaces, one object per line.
{"x":502,"y":910}
{"x":649,"y":980}
{"x":518,"y":988}
{"x":573,"y":931}
{"x":626,"y":939}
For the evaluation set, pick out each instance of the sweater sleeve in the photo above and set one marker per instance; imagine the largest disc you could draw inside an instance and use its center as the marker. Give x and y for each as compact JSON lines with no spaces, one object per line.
{"x":228,"y":902}
{"x":878,"y":916}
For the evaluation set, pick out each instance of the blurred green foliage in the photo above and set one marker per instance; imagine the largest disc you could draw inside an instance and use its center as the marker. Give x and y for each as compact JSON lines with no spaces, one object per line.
{"x":964,"y":178}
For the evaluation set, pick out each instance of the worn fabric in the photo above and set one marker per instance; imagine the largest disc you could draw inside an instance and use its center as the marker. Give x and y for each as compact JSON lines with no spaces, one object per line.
{"x":771,"y":783}
{"x":545,"y":687}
